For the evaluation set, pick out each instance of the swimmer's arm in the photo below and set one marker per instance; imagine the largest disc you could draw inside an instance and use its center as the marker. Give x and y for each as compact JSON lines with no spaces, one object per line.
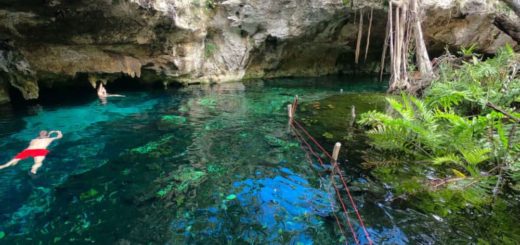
{"x":58,"y":136}
{"x":115,"y":95}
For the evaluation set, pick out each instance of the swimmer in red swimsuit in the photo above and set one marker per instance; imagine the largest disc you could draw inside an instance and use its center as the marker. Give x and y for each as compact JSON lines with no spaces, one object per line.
{"x":37,"y":149}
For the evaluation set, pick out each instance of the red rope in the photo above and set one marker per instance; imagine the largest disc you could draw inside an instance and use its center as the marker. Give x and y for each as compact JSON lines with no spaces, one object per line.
{"x":333,"y":183}
{"x":312,"y":139}
{"x":335,"y":167}
{"x":329,"y":193}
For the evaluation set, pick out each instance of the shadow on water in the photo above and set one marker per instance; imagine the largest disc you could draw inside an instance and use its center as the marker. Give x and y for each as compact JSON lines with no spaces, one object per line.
{"x":200,"y":164}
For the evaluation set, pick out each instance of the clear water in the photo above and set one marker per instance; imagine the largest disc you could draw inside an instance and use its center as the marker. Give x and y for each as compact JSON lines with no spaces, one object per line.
{"x":195,"y":165}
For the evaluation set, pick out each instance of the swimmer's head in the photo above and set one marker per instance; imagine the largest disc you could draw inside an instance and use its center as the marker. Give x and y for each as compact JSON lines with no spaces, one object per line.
{"x":44,"y":133}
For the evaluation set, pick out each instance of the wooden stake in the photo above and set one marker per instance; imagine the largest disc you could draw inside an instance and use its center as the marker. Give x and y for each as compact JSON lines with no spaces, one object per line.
{"x":353,"y":113}
{"x":335,"y":152}
{"x":289,"y":111}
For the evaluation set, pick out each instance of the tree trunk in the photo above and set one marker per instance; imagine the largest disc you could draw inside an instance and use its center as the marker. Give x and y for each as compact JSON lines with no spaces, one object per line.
{"x":506,"y":24}
{"x":405,"y":29}
{"x":399,"y":80}
{"x":423,"y":59}
{"x":510,"y":27}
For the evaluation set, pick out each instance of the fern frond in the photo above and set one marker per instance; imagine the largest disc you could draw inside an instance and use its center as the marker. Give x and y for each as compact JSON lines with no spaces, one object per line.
{"x":475,"y":156}
{"x":450,"y":158}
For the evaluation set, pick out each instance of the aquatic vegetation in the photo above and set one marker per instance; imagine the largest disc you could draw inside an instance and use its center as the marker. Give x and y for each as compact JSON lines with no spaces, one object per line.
{"x":88,"y":194}
{"x":277,"y":142}
{"x":179,"y":183}
{"x":460,"y":143}
{"x":215,"y":169}
{"x":173,"y":119}
{"x":328,"y":135}
{"x":207,"y":102}
{"x":155,"y":148}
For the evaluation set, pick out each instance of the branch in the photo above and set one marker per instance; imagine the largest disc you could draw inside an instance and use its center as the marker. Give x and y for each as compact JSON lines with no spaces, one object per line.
{"x":507,"y":114}
{"x":508,"y":26}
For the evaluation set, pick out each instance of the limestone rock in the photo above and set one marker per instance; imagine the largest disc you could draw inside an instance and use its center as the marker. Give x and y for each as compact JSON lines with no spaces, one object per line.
{"x":213,"y":40}
{"x":463,"y":24}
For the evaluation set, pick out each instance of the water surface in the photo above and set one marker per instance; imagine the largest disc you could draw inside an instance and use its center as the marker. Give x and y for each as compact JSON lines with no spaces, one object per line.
{"x":196,"y":165}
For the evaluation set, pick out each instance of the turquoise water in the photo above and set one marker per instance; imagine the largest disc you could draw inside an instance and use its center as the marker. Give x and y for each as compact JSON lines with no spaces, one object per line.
{"x":194,"y":165}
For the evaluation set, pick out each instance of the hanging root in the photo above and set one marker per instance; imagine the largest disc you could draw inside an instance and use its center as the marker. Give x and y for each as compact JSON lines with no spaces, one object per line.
{"x":383,"y":56}
{"x":359,"y":36}
{"x":404,"y":27}
{"x":369,"y":31}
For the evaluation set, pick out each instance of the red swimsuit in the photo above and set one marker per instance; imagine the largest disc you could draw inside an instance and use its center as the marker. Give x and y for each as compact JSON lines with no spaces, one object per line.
{"x":32,"y":153}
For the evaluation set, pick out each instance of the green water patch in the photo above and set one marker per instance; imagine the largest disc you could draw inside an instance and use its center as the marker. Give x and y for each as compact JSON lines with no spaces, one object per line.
{"x":330,"y":120}
{"x":333,"y":115}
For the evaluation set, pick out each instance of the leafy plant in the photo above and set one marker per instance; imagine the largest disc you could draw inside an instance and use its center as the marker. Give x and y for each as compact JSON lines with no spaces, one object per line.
{"x":461,"y":136}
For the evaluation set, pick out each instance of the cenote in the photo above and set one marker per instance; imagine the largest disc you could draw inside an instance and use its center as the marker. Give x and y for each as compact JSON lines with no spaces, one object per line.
{"x":204,"y":164}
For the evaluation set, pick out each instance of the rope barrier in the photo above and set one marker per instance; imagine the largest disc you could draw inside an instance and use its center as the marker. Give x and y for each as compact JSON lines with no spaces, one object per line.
{"x":321,"y":177}
{"x":345,"y":210}
{"x":335,"y":167}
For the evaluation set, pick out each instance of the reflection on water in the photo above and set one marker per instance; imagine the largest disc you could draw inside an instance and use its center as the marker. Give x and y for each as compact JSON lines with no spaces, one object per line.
{"x":202,"y":164}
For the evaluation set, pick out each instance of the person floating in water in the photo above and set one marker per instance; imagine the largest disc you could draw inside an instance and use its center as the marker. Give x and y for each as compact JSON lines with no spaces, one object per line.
{"x":103,"y":95}
{"x":37,"y":149}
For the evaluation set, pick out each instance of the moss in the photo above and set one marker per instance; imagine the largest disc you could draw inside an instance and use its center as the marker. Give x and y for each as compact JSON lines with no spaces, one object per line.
{"x":209,"y":49}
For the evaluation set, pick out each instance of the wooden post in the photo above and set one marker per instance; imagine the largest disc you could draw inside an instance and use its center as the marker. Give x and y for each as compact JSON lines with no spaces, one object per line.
{"x":353,"y":112}
{"x":289,"y":111}
{"x":335,"y":152}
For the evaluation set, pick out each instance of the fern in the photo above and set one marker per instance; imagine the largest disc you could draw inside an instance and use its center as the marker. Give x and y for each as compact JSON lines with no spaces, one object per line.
{"x":451,"y":128}
{"x":450,"y":158}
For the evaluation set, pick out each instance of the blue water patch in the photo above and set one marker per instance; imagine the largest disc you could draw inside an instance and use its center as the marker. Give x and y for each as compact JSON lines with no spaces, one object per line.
{"x":79,"y":151}
{"x":73,"y":120}
{"x":283,"y":205}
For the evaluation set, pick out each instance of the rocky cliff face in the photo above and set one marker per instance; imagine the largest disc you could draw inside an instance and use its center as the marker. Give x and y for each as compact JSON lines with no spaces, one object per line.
{"x":45,"y":42}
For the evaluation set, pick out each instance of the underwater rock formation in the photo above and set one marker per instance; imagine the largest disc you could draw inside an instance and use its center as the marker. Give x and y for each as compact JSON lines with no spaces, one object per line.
{"x":211,"y":40}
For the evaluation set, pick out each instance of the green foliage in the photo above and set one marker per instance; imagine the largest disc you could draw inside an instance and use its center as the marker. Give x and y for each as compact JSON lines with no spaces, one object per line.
{"x":211,"y":4}
{"x":468,"y":51}
{"x":453,"y":135}
{"x":209,"y":49}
